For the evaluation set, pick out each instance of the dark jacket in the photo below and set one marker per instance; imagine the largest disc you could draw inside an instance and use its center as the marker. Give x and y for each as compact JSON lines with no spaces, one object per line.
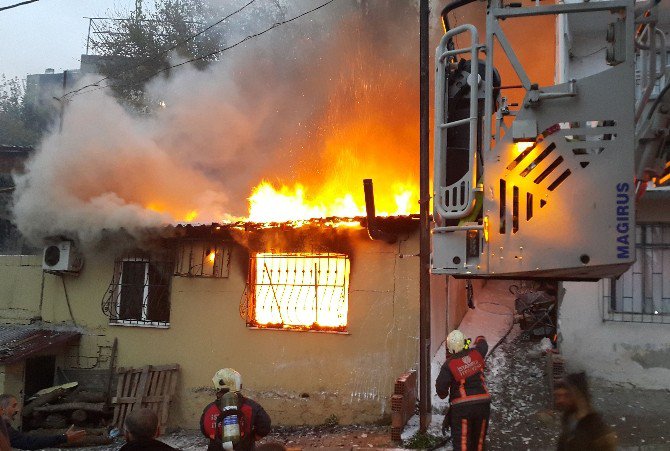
{"x":590,"y":433}
{"x":20,"y":440}
{"x":462,"y":375}
{"x":146,"y":445}
{"x":254,"y":423}
{"x":4,"y":437}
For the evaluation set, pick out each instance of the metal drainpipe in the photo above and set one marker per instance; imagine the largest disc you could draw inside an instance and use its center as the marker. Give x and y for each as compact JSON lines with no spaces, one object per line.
{"x":373,"y":231}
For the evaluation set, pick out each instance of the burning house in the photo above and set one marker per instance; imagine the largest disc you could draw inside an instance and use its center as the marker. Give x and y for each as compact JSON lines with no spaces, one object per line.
{"x":319,"y":319}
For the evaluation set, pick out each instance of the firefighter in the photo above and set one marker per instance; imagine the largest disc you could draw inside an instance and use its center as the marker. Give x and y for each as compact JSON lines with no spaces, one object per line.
{"x":582,"y":427}
{"x":462,"y":379}
{"x":233,"y":421}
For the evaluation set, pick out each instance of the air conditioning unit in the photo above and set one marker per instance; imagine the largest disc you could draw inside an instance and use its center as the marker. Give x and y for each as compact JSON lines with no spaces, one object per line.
{"x":62,"y":256}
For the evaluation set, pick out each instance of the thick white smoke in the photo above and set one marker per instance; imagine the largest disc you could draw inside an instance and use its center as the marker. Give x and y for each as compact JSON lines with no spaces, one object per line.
{"x":266,"y":110}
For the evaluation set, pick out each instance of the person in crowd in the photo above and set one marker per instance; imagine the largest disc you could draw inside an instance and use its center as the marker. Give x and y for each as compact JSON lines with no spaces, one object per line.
{"x":582,"y":427}
{"x":233,"y":421}
{"x":11,"y":408}
{"x":140,"y":428}
{"x":4,"y":434}
{"x":462,"y":379}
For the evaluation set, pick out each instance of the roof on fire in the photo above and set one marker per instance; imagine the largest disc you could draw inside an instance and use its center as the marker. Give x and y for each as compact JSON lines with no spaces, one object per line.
{"x":395,"y":224}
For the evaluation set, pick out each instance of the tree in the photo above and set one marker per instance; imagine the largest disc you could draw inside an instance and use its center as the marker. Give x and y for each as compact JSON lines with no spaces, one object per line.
{"x":135,"y":49}
{"x":21,"y":124}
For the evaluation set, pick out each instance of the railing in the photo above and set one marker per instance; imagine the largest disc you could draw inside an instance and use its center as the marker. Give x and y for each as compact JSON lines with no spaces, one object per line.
{"x":455,"y":201}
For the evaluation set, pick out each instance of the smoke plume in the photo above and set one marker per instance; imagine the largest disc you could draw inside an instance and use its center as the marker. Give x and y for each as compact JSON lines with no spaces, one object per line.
{"x":324,"y":101}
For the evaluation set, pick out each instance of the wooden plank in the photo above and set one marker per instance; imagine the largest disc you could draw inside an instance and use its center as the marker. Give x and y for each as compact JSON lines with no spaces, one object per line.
{"x":87,"y":406}
{"x":153,"y":380}
{"x":160,"y":380}
{"x":133,"y":399}
{"x":41,"y":400}
{"x":160,"y":387}
{"x":174,"y":366}
{"x":124,"y":414}
{"x":170,"y":393}
{"x":127,"y":383}
{"x":149,"y":386}
{"x":141,"y":387}
{"x":173,"y":382}
{"x":120,"y":383}
{"x":132,"y":390}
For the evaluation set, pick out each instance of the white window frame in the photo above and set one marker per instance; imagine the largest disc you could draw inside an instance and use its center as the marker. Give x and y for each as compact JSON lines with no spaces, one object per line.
{"x":137,"y":322}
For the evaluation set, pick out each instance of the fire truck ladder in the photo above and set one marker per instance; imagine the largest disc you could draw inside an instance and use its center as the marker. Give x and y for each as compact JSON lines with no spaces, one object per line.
{"x":536,"y":219}
{"x":455,"y":201}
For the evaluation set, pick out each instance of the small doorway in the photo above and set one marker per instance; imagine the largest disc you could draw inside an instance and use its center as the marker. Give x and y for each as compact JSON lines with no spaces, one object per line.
{"x":39,"y":374}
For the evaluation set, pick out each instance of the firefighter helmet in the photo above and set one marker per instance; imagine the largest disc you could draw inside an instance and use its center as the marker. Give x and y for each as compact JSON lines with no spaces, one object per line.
{"x":455,"y":341}
{"x":227,"y":378}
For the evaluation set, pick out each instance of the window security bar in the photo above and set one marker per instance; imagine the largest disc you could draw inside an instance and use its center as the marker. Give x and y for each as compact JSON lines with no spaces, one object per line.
{"x":642,"y":294}
{"x":298,"y":291}
{"x":139,"y":293}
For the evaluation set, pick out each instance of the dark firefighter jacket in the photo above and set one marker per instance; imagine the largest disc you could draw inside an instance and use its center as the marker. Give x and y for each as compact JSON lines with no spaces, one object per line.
{"x":462,"y":375}
{"x":254,"y":423}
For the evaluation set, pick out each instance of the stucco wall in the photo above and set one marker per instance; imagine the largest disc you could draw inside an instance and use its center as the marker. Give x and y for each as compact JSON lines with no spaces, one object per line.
{"x":622,"y":352}
{"x":458,"y":306}
{"x":439,"y":291}
{"x":299,"y":377}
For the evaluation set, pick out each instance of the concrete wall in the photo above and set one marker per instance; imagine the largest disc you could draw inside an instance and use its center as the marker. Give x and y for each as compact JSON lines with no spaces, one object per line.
{"x":638,"y":353}
{"x":622,"y":352}
{"x":458,"y":306}
{"x":439,"y":291}
{"x":299,"y":377}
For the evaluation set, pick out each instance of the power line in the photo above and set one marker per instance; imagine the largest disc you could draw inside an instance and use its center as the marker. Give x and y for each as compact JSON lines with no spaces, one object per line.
{"x":201,"y":57}
{"x":18,"y":4}
{"x":275,"y":25}
{"x":164,"y":52}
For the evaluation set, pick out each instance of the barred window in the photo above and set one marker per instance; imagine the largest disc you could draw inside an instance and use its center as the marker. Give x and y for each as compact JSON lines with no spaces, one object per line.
{"x":203,"y":259}
{"x":299,"y":291}
{"x":139,"y":294}
{"x":642,"y":294}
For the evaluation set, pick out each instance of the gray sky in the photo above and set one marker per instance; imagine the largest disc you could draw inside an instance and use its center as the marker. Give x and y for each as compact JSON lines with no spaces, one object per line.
{"x":48,"y":33}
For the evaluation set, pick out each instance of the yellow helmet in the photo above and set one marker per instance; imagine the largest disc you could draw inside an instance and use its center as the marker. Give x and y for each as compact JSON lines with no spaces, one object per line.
{"x":455,"y":341}
{"x":227,"y":378}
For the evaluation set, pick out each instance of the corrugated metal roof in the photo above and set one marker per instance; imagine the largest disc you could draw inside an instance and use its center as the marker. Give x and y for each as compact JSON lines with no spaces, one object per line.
{"x":20,"y":342}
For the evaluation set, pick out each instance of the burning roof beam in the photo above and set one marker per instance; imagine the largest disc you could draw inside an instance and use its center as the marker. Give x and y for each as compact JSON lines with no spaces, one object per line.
{"x":373,"y":231}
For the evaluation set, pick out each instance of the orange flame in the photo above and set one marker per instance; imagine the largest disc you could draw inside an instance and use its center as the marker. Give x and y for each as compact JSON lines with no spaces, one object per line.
{"x":270,"y":204}
{"x":366,"y":127}
{"x":321,"y":300}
